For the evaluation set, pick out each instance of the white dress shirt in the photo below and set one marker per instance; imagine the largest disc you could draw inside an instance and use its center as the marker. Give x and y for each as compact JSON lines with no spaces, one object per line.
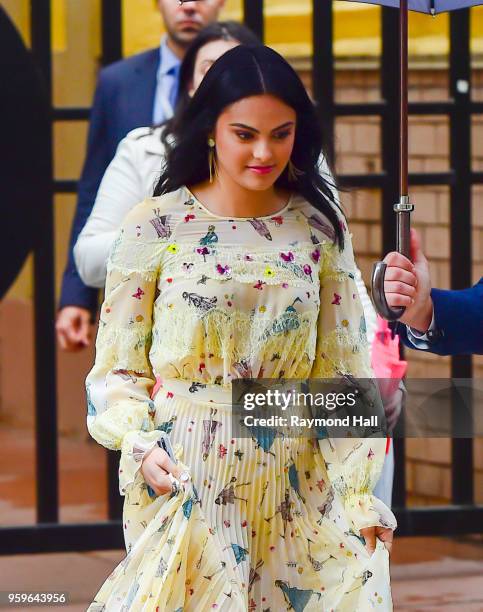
{"x":421,"y":340}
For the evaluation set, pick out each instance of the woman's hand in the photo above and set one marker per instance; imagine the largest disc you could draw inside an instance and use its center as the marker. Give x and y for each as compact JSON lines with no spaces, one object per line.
{"x":382,"y":533}
{"x":155,"y":467}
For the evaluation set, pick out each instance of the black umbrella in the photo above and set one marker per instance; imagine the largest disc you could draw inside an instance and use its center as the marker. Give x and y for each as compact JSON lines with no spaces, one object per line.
{"x":432,"y":7}
{"x":403,"y":208}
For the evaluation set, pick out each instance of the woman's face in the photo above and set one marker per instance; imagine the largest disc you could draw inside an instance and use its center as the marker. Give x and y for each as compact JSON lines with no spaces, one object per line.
{"x":254,"y":140}
{"x":206,"y":57}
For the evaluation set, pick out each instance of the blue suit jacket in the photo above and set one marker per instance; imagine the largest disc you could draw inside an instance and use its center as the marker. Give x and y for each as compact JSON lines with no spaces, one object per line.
{"x":458,"y":317}
{"x":123,"y":101}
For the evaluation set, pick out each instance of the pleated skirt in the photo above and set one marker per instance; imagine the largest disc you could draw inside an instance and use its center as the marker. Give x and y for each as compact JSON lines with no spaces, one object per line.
{"x":257,"y":528}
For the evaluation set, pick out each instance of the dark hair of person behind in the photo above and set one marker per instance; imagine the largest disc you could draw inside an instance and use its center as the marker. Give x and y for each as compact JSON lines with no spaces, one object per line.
{"x":240,"y":73}
{"x":221,"y":30}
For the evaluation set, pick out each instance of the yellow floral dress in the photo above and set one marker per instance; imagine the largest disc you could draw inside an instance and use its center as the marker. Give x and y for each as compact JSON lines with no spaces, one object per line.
{"x":198,"y":300}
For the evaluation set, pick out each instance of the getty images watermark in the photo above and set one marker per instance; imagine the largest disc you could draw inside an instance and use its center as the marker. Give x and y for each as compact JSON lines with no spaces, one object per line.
{"x":348,"y":406}
{"x":288,"y":400}
{"x":319,"y":408}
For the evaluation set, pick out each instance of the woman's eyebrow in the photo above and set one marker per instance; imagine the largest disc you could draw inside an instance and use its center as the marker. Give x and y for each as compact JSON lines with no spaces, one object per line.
{"x":252,"y":129}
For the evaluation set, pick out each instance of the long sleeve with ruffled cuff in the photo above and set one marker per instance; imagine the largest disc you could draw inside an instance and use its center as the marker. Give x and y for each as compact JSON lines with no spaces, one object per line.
{"x":353,"y":464}
{"x":120,"y":409}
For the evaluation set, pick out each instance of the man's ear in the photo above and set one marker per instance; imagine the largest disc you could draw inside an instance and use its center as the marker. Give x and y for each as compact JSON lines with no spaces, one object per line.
{"x":191,"y":89}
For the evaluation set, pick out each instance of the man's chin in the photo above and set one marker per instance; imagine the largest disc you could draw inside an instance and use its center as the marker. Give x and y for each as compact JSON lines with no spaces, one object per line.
{"x":187,"y":35}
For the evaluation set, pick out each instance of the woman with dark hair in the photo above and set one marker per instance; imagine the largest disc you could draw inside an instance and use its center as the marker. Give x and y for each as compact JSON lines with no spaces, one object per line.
{"x":134,"y":171}
{"x":240,"y":266}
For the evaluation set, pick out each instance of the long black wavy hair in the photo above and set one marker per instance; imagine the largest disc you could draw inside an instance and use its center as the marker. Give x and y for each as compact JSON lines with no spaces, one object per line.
{"x":240,"y":73}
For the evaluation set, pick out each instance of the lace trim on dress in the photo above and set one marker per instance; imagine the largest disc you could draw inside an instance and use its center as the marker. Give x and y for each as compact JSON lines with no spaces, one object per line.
{"x":125,"y":348}
{"x":235,"y":337}
{"x":338,"y":265}
{"x":143,"y":258}
{"x":342,"y":351}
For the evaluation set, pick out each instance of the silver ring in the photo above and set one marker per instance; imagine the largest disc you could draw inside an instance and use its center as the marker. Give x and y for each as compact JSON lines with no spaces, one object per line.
{"x":172,"y":479}
{"x":184,"y":477}
{"x":174,"y":484}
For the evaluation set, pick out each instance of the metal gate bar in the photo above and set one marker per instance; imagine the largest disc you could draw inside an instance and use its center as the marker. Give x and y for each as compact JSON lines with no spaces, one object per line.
{"x":460,"y":223}
{"x":46,"y":449}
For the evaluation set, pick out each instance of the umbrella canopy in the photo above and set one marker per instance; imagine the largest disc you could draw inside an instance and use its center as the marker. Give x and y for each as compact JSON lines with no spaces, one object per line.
{"x":431,"y":7}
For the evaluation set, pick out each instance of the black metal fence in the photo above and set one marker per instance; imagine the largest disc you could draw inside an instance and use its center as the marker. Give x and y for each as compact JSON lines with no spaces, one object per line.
{"x":463,"y":516}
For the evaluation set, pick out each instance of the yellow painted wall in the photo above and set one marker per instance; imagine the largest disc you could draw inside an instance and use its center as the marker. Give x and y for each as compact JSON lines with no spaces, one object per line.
{"x":19,"y":12}
{"x":289,"y":25}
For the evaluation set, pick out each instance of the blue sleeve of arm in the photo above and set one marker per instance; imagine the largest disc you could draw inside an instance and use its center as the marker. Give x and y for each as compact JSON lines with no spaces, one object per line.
{"x":74,"y":291}
{"x":458,"y":318}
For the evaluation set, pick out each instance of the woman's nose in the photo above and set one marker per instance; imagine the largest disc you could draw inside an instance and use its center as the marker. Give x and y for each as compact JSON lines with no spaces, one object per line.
{"x":262,"y":151}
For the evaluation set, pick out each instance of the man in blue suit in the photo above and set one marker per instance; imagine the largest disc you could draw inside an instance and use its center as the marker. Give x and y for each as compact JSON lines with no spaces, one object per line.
{"x":135,"y":92}
{"x":435,"y":320}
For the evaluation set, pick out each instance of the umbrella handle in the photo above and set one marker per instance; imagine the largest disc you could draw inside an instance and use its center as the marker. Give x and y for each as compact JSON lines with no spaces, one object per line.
{"x":379,"y":297}
{"x":403,"y":211}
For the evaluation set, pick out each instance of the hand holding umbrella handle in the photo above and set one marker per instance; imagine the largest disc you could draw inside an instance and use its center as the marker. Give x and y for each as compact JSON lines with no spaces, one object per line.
{"x":403,"y":211}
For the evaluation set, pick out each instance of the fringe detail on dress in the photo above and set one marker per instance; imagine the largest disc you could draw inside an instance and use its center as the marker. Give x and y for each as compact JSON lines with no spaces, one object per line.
{"x":125,"y":348}
{"x":342,"y":351}
{"x":237,"y":338}
{"x":143,"y":258}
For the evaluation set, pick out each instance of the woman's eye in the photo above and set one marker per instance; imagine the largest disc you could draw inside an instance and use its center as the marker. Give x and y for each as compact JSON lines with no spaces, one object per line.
{"x":282,"y":135}
{"x":244,"y":135}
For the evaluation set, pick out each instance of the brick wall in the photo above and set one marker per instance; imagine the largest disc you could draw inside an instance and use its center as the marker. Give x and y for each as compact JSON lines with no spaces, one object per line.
{"x":358,"y":151}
